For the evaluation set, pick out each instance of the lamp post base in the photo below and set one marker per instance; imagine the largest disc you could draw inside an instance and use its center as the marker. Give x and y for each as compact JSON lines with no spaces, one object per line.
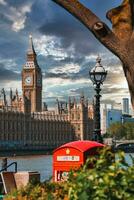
{"x":97,"y":136}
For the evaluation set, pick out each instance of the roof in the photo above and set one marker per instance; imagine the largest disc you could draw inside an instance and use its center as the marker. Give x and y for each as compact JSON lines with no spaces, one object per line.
{"x":31,"y":46}
{"x":81,"y":145}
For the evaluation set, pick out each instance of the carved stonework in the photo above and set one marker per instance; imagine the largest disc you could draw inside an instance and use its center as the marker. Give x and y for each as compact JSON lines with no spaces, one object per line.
{"x":32,"y":80}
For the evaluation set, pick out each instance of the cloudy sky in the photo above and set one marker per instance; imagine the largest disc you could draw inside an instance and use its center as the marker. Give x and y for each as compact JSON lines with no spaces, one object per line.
{"x":66,"y":49}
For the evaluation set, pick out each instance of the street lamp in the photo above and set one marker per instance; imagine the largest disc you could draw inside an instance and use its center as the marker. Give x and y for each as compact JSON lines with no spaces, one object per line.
{"x":97,"y":76}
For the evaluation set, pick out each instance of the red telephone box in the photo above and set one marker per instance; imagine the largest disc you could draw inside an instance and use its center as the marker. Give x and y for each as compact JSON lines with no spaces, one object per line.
{"x":71,"y":156}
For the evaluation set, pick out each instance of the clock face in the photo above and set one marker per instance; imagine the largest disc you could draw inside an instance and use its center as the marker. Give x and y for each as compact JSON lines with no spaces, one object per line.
{"x":28,"y":80}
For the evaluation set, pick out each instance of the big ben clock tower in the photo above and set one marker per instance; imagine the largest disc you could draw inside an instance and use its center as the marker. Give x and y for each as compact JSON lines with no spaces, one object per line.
{"x":32,"y":81}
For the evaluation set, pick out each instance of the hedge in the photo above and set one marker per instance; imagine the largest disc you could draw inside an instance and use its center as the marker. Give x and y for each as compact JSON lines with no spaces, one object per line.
{"x":108,"y":177}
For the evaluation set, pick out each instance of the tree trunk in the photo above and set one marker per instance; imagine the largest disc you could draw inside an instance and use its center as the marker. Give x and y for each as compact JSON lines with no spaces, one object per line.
{"x":119,"y":40}
{"x":129,"y":73}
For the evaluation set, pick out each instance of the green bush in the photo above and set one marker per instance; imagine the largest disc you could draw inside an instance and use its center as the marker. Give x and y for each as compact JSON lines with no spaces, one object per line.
{"x":104,"y":178}
{"x":121,"y":131}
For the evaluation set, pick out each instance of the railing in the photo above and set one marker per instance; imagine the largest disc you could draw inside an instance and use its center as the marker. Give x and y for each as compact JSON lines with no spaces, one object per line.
{"x":13,"y":163}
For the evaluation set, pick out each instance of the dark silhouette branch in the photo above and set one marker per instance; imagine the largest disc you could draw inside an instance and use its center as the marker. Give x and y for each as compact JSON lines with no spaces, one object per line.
{"x":119,"y":40}
{"x":101,"y":31}
{"x":122,"y":20}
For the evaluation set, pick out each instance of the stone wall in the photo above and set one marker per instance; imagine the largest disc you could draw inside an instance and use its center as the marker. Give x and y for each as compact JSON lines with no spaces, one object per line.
{"x":26,"y":131}
{"x":19,"y":130}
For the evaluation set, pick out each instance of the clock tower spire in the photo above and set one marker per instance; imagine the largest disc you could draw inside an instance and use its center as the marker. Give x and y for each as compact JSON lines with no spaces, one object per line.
{"x":32,"y":81}
{"x":31,"y":54}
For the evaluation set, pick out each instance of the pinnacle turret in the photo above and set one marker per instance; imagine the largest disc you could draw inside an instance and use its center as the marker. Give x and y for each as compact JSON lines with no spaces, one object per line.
{"x":31,"y":46}
{"x":31,"y":55}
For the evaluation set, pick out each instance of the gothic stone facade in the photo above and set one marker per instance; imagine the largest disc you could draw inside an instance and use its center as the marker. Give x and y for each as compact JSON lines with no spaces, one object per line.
{"x":23,"y":124}
{"x":44,"y":130}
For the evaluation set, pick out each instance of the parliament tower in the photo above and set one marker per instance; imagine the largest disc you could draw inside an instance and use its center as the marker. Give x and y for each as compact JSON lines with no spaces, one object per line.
{"x":32,"y":81}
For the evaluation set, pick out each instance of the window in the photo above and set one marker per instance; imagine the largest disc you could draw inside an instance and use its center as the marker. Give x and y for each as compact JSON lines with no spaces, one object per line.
{"x":78,"y":116}
{"x":78,"y":127}
{"x":72,"y":116}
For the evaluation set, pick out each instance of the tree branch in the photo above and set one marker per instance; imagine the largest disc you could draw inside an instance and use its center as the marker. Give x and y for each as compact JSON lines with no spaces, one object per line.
{"x":120,"y":41}
{"x":132,"y":11}
{"x":122,"y":20}
{"x":93,"y":23}
{"x":79,"y":11}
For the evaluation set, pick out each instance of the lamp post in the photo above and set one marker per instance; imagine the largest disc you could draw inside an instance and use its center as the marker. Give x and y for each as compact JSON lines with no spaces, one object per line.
{"x":97,"y":76}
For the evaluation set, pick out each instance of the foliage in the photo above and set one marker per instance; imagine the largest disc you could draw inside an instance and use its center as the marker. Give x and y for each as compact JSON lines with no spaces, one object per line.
{"x":121,"y":131}
{"x":100,"y":179}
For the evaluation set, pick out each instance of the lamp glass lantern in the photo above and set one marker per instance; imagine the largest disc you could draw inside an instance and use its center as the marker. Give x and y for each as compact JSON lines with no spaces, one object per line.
{"x":97,"y":76}
{"x":98,"y":73}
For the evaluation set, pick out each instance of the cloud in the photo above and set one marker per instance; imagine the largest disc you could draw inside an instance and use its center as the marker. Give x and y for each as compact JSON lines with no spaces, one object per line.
{"x":9,"y":64}
{"x":66,"y":69}
{"x":69,"y":71}
{"x":66,"y":49}
{"x":8,"y":74}
{"x":114,"y":90}
{"x":72,"y":44}
{"x":3,"y":2}
{"x":116,"y":78}
{"x":49,"y":45}
{"x":70,"y":33}
{"x":16,"y":15}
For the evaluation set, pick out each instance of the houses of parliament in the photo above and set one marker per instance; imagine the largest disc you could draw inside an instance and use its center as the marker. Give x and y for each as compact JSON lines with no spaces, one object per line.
{"x":27,"y":125}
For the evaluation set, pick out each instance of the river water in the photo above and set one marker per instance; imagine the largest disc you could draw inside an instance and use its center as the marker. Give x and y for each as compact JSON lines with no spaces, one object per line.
{"x":40,"y":163}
